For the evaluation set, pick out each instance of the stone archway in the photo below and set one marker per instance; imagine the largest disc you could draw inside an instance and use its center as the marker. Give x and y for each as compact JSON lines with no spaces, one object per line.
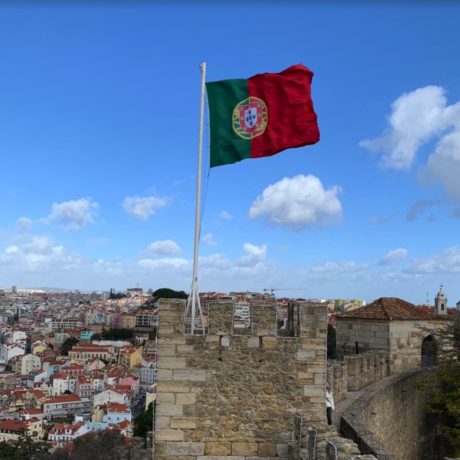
{"x":429,"y":351}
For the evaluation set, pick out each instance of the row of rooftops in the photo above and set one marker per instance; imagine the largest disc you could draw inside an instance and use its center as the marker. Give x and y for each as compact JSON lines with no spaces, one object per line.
{"x":395,"y":309}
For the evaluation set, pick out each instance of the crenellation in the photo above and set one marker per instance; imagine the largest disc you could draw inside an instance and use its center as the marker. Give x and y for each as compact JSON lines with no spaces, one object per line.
{"x":237,"y":394}
{"x":220,"y":318}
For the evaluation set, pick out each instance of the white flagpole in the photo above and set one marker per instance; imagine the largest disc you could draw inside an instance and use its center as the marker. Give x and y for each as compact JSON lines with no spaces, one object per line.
{"x":194,"y":299}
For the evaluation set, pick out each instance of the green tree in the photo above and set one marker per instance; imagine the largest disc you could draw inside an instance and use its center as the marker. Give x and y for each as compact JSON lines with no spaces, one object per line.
{"x":103,"y":445}
{"x":117,"y":295}
{"x":24,"y":449}
{"x":166,"y":293}
{"x":144,"y":422}
{"x":67,"y":345}
{"x":117,"y":334}
{"x":443,"y":406}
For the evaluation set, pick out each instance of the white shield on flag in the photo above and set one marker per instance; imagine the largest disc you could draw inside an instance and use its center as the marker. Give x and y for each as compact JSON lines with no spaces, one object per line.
{"x":250,"y":117}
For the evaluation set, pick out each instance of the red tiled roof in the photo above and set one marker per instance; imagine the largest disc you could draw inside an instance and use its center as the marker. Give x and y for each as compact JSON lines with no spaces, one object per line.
{"x":39,"y":394}
{"x":90,"y":349}
{"x":13,"y":425}
{"x":123,"y":424}
{"x":31,"y":411}
{"x":391,"y":309}
{"x":115,"y":407}
{"x":62,"y":427}
{"x":63,"y":399}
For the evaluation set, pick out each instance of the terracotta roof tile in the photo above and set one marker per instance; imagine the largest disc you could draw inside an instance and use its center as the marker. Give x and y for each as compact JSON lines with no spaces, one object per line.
{"x":12,"y":425}
{"x":392,"y":309}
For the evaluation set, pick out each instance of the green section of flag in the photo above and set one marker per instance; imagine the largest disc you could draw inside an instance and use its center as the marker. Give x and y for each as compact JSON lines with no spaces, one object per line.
{"x":226,"y":146}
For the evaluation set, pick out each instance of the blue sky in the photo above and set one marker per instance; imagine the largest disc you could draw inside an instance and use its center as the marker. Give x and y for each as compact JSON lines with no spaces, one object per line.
{"x":99,"y":128}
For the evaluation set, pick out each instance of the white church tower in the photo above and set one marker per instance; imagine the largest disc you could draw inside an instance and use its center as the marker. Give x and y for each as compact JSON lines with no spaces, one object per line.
{"x":440,"y":302}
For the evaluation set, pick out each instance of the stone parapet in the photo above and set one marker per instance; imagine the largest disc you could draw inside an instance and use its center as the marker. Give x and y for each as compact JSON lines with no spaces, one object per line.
{"x":389,"y":420}
{"x":228,"y":396}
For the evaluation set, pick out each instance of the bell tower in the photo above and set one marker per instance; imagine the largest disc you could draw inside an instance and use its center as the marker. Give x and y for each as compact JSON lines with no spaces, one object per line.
{"x":440,"y":302}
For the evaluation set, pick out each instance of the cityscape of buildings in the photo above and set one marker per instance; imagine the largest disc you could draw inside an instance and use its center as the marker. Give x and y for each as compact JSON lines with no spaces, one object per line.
{"x":73,"y":363}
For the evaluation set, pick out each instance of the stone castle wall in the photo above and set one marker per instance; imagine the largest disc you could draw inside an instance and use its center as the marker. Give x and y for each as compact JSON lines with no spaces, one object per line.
{"x":406,"y":341}
{"x":338,"y":379}
{"x":389,"y":421}
{"x":229,"y":395}
{"x":362,"y":334}
{"x":357,"y":371}
{"x":401,"y":339}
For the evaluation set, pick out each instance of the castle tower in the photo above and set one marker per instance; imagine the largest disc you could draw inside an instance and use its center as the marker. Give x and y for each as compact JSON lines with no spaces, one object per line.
{"x":440,"y":302}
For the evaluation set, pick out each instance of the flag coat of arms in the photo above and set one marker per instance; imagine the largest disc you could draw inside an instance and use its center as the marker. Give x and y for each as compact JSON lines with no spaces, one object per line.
{"x":262,"y":115}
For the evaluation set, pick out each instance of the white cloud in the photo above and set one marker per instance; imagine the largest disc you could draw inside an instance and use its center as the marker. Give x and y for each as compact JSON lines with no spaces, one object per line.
{"x":225,"y":215}
{"x":36,"y":260}
{"x":418,"y":208}
{"x":164,"y":248}
{"x":254,"y":254}
{"x":393,"y":256}
{"x":415,"y":118}
{"x":298,"y":203}
{"x":208,"y":239}
{"x":74,"y":214}
{"x":167,"y":262}
{"x":217,"y":261}
{"x":37,"y":254}
{"x":13,"y":249}
{"x":142,"y":207}
{"x":445,"y":263}
{"x":37,"y":244}
{"x":443,"y":166}
{"x":24,"y":224}
{"x":342,"y":267}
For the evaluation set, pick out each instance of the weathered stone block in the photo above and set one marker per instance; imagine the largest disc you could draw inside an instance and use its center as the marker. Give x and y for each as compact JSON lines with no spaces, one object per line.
{"x":168,"y":398}
{"x":269,"y":342}
{"x":220,"y":457}
{"x":253,"y":342}
{"x":165,"y":329}
{"x":183,"y":423}
{"x":166,"y":350}
{"x":175,"y":340}
{"x":170,"y":409}
{"x":309,"y":390}
{"x":193,"y":375}
{"x":186,"y":398}
{"x":218,"y":448}
{"x":172,"y":387}
{"x":164,"y":374}
{"x":247,"y":449}
{"x":282,"y":450}
{"x":305,"y":355}
{"x":267,"y":450}
{"x":170,"y":363}
{"x":171,"y":317}
{"x":185,"y":448}
{"x":320,"y":379}
{"x":225,"y":341}
{"x":162,"y":422}
{"x":169,"y":435}
{"x":184,"y":350}
{"x":212,"y":339}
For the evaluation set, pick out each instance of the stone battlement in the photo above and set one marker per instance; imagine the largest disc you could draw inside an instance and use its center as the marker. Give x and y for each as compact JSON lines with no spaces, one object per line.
{"x":234,"y":392}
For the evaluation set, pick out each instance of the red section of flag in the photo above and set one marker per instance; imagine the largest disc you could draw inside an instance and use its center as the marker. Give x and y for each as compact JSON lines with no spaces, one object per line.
{"x":291,"y":116}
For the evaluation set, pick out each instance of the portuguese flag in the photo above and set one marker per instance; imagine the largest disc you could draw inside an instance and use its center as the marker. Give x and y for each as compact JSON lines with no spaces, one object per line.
{"x":262,"y":115}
